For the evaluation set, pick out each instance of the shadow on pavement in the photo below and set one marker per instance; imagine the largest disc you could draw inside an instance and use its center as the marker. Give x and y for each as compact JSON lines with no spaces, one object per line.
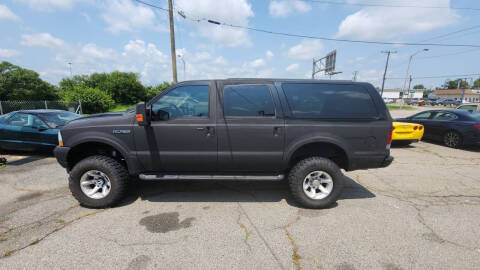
{"x":228,"y":191}
{"x":25,"y":160}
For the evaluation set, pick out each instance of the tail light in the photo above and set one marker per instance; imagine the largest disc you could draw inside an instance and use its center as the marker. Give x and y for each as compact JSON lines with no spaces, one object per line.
{"x":477,"y":126}
{"x":415,"y":127}
{"x":420,"y":127}
{"x":389,"y":139}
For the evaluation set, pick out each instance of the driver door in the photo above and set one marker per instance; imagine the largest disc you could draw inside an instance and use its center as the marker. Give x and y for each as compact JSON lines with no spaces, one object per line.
{"x":182,"y":135}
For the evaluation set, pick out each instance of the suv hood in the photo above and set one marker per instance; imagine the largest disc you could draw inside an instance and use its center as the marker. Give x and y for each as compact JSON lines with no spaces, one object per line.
{"x":102,"y":119}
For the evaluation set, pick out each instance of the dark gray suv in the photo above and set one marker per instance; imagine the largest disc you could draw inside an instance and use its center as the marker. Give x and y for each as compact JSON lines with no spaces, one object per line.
{"x":302,"y":131}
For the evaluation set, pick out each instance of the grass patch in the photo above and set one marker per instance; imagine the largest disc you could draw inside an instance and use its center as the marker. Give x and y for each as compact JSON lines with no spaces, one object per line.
{"x":397,"y":107}
{"x":2,"y":166}
{"x":121,"y":108}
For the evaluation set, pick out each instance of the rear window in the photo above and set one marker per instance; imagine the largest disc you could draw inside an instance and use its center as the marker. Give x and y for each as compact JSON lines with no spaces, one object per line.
{"x":315,"y":100}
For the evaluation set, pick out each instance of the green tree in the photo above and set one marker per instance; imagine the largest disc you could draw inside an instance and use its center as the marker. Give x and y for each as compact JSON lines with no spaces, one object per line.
{"x":419,"y":86}
{"x":454,"y":84}
{"x":17,"y":83}
{"x":125,"y":88}
{"x":476,"y":83}
{"x":152,"y":91}
{"x":93,"y":100}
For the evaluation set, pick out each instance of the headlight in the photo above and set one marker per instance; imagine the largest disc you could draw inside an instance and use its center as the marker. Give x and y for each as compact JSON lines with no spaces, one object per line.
{"x":60,"y":140}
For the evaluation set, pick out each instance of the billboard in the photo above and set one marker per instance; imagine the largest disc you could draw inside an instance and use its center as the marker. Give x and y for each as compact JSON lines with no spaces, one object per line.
{"x":330,"y":61}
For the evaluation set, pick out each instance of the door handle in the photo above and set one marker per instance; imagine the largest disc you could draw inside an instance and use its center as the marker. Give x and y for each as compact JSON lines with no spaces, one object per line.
{"x":210,"y":131}
{"x":276,"y":131}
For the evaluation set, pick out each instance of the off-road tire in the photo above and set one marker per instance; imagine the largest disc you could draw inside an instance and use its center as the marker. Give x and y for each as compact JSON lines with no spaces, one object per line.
{"x":450,"y":141}
{"x":302,"y":169}
{"x":115,"y":171}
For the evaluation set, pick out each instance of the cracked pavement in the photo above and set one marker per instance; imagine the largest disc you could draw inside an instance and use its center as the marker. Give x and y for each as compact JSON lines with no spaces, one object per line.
{"x":422,"y":212}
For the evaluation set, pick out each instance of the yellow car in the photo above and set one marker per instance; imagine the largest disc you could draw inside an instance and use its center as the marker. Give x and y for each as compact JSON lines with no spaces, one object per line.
{"x":406,"y":133}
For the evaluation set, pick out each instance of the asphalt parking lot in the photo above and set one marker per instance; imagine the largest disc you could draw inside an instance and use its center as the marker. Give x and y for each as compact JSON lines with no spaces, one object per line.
{"x":422,"y":212}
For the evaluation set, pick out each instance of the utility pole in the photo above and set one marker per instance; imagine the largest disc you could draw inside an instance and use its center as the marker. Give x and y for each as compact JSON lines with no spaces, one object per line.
{"x":410,"y":82}
{"x":355,"y":75}
{"x":172,"y":42}
{"x":386,"y":67}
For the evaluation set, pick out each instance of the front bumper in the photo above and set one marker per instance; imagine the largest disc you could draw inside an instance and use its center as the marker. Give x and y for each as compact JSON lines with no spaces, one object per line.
{"x":61,"y":154}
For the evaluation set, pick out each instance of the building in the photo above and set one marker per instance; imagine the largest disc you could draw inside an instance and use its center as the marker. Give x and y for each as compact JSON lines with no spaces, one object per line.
{"x":471,"y":95}
{"x":398,"y":93}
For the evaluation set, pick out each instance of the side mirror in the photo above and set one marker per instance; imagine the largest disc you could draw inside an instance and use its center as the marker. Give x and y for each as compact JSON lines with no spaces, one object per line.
{"x":162,"y":115}
{"x":143,"y":114}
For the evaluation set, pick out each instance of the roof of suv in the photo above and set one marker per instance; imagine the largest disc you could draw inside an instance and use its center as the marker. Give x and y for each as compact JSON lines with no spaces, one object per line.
{"x":276,"y":79}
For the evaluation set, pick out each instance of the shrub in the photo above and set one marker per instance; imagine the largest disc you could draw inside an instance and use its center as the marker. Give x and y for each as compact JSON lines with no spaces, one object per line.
{"x":93,"y":100}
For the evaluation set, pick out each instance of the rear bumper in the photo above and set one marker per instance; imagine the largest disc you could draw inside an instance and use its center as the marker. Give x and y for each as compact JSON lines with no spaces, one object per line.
{"x":386,"y":162}
{"x":61,"y":154}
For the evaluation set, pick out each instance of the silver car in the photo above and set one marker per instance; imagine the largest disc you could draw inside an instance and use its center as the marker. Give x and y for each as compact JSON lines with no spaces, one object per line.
{"x":469,"y":107}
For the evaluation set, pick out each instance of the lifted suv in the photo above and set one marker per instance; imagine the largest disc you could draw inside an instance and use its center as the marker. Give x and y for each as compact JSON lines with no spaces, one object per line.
{"x":304,"y":131}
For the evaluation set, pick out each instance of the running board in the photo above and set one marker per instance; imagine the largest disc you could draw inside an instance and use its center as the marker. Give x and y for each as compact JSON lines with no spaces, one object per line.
{"x":159,"y":177}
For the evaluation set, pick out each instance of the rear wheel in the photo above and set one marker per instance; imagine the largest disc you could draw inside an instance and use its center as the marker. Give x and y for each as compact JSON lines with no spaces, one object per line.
{"x":452,"y":139}
{"x":316,"y":182}
{"x":98,"y":181}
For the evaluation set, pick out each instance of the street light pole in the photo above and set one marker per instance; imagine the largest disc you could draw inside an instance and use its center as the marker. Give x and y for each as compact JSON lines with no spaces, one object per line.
{"x":183,"y":61}
{"x":408,"y":68}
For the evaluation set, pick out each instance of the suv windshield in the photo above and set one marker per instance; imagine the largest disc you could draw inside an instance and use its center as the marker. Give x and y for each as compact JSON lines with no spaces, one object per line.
{"x":58,"y":119}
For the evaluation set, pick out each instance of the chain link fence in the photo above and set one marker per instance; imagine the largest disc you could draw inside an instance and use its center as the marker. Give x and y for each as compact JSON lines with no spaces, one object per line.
{"x":16,"y":105}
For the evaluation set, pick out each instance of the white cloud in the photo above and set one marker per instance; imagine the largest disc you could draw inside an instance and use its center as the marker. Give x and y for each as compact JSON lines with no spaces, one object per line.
{"x":269,"y":54}
{"x":384,"y":23}
{"x":232,"y":11}
{"x":306,"y":50}
{"x":7,"y":53}
{"x":94,"y":52}
{"x":7,"y":14}
{"x":41,"y":40}
{"x":257,"y":63}
{"x":292,"y":68}
{"x":47,"y":5}
{"x":201,"y":57}
{"x":283,"y":8}
{"x":221,"y":61}
{"x":123,"y":15}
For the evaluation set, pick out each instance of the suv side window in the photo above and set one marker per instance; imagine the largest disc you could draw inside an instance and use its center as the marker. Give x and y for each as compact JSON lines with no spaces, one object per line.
{"x":183,"y":102}
{"x":316,"y":100}
{"x":248,"y":101}
{"x":468,"y":107}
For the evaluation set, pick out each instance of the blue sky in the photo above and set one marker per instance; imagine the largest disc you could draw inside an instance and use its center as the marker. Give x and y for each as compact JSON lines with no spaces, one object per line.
{"x":102,"y":36}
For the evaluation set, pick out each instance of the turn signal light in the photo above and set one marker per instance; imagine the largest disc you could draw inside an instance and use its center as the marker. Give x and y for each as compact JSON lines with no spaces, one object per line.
{"x":140,"y":118}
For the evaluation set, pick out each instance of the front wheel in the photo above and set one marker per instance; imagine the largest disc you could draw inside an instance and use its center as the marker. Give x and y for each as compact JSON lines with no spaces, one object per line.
{"x":98,"y":181}
{"x":452,"y":139}
{"x":316,"y":182}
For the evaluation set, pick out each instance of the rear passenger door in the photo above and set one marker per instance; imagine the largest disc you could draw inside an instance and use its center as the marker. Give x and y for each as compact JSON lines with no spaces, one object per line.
{"x":251,"y":128}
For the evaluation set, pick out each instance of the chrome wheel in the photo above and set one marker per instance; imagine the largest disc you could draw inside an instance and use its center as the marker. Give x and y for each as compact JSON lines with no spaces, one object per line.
{"x":452,"y":139}
{"x":317,"y":185}
{"x":95,"y":184}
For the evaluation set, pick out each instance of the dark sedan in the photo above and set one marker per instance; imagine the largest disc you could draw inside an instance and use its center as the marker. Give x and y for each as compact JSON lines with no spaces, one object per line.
{"x":32,"y":130}
{"x":452,"y":127}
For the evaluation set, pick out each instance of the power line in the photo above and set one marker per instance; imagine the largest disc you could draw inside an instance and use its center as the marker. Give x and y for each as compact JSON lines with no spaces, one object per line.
{"x":441,"y":76}
{"x":451,"y":33}
{"x":151,"y":5}
{"x":393,"y":6}
{"x":198,"y":20}
{"x":447,"y":54}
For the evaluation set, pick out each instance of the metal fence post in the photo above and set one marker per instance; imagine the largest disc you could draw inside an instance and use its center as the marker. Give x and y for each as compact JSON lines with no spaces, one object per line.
{"x":1,"y":109}
{"x":80,"y":105}
{"x":46,"y":107}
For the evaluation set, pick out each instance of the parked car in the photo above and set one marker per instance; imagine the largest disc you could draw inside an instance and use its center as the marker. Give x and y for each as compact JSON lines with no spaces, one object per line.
{"x":32,"y":130}
{"x":452,"y":127}
{"x":234,"y":129}
{"x":388,"y":100}
{"x":470,"y":107}
{"x":406,"y":133}
{"x":447,"y":102}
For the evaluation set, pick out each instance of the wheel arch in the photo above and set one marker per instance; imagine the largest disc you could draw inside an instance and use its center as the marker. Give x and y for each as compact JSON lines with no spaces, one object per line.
{"x":323,"y":147}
